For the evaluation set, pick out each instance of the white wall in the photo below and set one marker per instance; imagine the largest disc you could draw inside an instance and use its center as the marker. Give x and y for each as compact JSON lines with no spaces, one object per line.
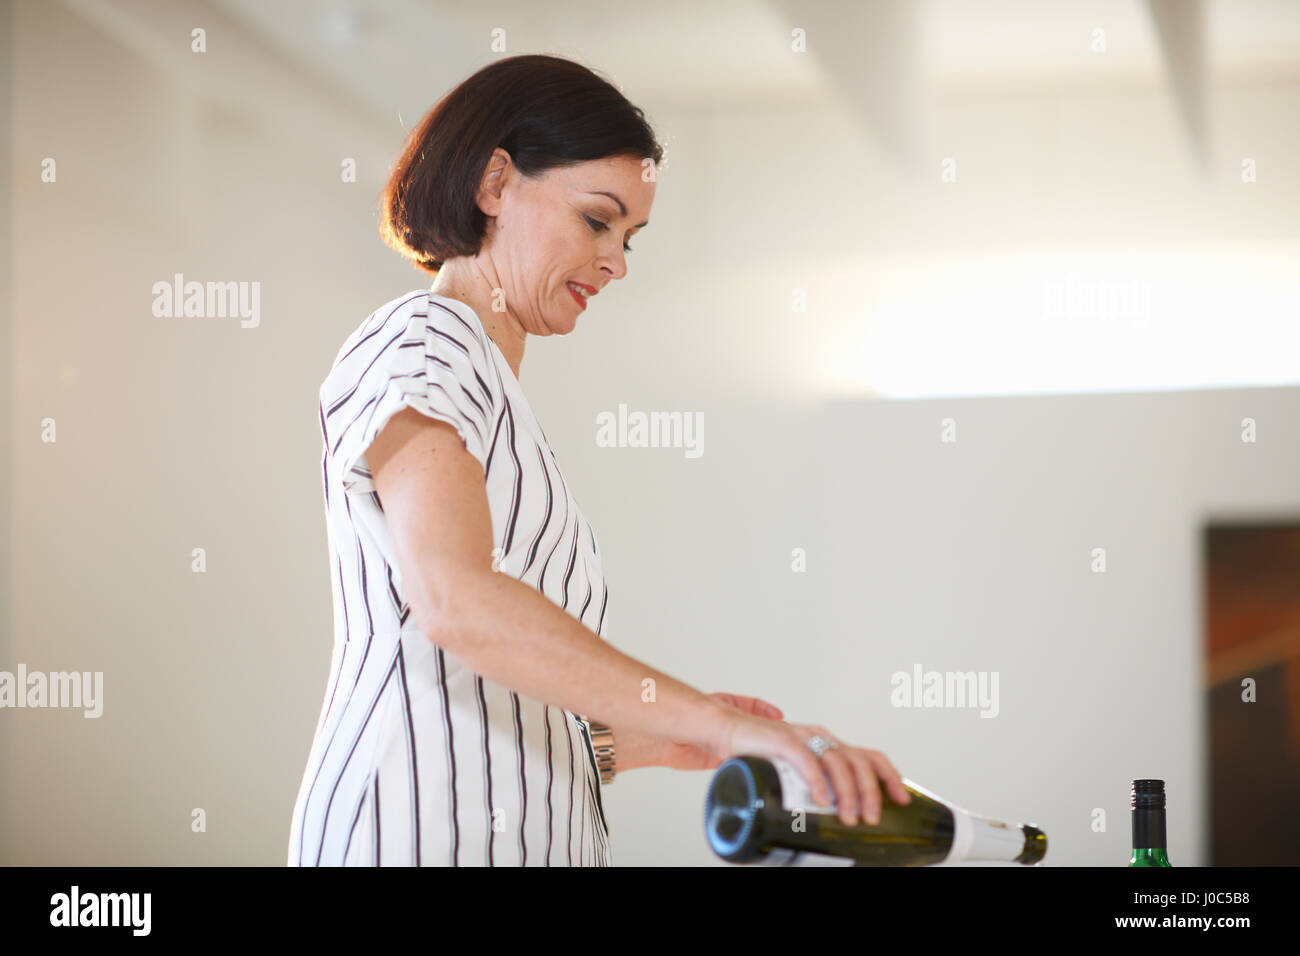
{"x":177,"y":434}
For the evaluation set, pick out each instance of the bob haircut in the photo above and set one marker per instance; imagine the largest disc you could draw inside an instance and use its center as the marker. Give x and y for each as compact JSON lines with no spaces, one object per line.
{"x":545,"y":111}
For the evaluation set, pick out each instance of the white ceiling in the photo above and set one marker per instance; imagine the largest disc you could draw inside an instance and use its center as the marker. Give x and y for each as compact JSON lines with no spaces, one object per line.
{"x":711,"y":54}
{"x":359,"y":73}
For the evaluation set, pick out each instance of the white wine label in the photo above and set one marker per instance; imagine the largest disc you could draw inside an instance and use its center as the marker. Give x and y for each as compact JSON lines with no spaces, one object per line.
{"x":963,"y":837}
{"x":987,"y":839}
{"x":795,"y":794}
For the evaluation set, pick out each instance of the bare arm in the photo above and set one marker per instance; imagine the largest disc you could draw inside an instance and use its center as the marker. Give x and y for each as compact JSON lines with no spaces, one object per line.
{"x":433,"y":496}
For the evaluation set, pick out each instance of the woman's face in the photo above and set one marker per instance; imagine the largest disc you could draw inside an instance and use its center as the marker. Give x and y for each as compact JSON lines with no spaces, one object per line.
{"x":569,"y":226}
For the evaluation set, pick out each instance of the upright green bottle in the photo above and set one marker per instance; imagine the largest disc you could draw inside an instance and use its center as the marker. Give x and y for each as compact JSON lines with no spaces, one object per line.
{"x":1147,"y":797}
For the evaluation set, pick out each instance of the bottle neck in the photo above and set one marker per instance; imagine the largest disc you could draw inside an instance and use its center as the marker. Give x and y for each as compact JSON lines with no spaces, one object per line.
{"x":1149,"y":829}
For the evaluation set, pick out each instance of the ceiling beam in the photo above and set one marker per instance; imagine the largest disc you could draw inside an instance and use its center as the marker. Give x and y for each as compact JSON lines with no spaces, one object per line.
{"x":1180,"y":25}
{"x":871,"y":54}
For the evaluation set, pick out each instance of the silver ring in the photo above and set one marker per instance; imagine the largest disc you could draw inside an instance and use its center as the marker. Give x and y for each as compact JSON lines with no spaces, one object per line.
{"x":819,"y":744}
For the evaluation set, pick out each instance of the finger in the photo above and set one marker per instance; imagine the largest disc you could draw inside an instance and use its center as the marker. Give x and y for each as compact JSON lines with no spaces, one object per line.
{"x":868,"y":784}
{"x":759,"y":708}
{"x":736,"y":701}
{"x":891,"y":777}
{"x":813,"y":773}
{"x":846,"y":787}
{"x":755,"y":706}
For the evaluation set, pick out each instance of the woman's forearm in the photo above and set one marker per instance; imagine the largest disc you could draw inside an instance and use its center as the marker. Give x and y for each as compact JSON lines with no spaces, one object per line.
{"x":633,"y":750}
{"x":510,"y":633}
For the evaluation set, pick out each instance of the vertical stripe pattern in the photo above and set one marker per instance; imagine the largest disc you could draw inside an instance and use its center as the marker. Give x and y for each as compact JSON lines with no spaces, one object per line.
{"x":416,"y":760}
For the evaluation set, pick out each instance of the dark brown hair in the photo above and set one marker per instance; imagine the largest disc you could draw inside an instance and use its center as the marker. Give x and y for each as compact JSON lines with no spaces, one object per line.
{"x":545,"y":111}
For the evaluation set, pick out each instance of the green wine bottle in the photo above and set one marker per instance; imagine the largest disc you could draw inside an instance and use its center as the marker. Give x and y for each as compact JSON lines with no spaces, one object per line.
{"x":751,"y":817}
{"x":1147,"y":798}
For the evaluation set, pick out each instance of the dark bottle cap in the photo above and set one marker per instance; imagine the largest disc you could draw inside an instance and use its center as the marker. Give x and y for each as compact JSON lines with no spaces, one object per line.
{"x":1147,"y":795}
{"x":734,"y":805}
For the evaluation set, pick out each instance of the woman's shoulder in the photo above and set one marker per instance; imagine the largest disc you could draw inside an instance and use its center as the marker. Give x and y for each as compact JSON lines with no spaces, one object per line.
{"x":418,"y":350}
{"x":447,"y":326}
{"x":459,"y":325}
{"x":367,"y":336}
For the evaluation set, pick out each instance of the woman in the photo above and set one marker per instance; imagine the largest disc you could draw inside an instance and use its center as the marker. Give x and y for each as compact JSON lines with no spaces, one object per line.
{"x":469,"y":595}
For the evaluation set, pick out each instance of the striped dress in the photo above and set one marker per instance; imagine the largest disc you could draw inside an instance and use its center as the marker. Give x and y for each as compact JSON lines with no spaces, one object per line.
{"x":416,"y":759}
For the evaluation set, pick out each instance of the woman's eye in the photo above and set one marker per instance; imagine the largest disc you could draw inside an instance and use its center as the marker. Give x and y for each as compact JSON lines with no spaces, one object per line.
{"x":598,"y":226}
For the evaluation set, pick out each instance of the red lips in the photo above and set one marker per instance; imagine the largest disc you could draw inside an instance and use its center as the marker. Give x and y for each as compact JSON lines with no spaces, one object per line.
{"x":589,"y":289}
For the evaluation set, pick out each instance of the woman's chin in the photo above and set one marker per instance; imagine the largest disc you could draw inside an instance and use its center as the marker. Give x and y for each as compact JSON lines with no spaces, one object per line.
{"x":563,"y":325}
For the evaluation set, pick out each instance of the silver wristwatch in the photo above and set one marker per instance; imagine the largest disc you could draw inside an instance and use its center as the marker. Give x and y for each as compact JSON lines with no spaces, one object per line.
{"x":602,"y":742}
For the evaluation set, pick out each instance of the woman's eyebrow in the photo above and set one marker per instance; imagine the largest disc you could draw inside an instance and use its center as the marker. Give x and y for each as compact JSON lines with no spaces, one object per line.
{"x":621,"y":208}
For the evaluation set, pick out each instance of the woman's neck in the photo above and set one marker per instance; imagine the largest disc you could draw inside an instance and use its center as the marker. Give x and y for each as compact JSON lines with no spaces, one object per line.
{"x":475,"y":291}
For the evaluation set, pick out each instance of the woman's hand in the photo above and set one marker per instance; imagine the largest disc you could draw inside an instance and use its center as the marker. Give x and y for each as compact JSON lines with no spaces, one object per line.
{"x":681,"y":756}
{"x":854,"y":772}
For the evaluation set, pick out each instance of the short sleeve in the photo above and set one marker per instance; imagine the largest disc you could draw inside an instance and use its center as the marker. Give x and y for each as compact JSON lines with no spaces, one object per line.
{"x":412,"y":353}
